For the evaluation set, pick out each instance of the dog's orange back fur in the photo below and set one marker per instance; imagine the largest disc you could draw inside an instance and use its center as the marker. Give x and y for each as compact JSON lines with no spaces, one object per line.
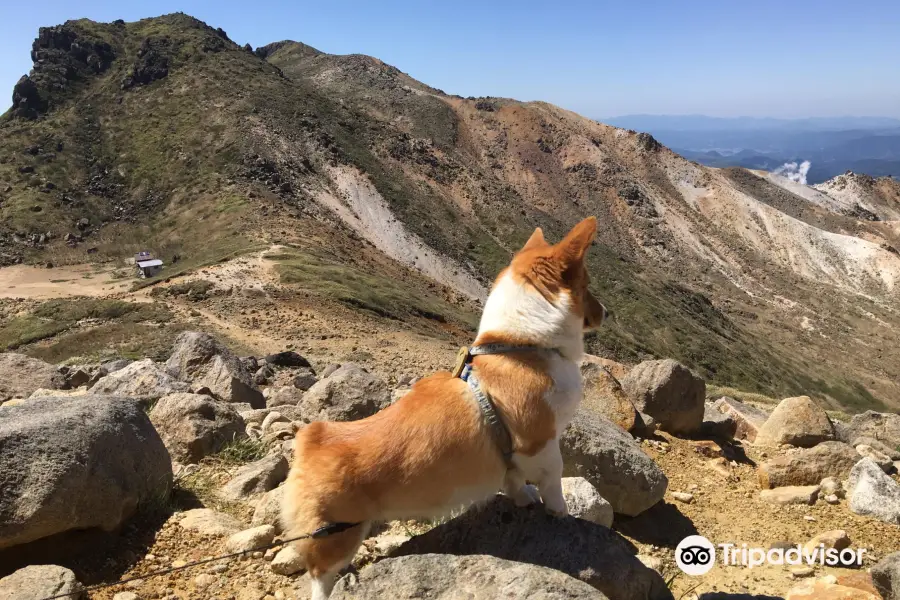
{"x":431,"y":451}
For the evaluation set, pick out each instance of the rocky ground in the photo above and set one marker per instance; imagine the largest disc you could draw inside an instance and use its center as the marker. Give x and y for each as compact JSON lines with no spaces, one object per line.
{"x":227,"y":425}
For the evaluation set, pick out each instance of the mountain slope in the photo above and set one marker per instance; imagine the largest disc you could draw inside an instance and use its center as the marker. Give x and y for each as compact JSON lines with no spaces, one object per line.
{"x":183,"y":141}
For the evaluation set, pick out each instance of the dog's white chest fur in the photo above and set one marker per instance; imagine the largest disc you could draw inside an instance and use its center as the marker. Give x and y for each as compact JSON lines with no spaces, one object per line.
{"x":565,"y":395}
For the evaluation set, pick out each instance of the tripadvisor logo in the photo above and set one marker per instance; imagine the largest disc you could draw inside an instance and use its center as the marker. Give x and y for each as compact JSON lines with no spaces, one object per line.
{"x":696,"y":555}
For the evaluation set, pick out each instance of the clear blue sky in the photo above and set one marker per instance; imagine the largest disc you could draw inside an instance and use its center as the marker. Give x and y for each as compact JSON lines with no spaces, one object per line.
{"x":722,"y":58}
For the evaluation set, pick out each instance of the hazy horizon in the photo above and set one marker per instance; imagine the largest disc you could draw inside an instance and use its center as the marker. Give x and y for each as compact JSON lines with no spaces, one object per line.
{"x":598,"y":59}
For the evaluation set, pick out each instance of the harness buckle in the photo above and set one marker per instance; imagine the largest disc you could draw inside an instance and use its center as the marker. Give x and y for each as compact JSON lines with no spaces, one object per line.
{"x":463,"y":357}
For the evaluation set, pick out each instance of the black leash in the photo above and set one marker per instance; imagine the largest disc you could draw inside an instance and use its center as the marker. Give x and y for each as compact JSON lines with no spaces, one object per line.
{"x":319,"y":533}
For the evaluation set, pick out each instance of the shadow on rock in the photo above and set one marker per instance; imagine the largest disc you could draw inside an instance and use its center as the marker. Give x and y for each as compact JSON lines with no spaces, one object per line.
{"x":94,"y":555}
{"x":584,"y":550}
{"x":661,"y":525}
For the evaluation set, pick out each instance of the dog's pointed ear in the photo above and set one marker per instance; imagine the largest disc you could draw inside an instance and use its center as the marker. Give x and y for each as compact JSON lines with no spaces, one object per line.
{"x":576,"y":243}
{"x":535,"y":241}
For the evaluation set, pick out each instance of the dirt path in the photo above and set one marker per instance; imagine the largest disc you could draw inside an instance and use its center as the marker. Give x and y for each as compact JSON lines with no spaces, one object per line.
{"x":38,"y":283}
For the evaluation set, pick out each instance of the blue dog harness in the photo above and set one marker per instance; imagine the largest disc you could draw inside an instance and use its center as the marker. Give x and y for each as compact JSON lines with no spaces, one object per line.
{"x":465,"y":371}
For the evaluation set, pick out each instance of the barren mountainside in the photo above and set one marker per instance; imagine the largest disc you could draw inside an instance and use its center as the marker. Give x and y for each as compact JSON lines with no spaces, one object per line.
{"x":401,"y":201}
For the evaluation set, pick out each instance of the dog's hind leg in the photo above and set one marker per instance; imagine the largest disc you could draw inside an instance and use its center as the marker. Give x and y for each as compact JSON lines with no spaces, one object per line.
{"x":325,"y":557}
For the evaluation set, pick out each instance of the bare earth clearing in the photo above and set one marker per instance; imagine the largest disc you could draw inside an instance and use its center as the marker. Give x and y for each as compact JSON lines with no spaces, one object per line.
{"x":38,"y":283}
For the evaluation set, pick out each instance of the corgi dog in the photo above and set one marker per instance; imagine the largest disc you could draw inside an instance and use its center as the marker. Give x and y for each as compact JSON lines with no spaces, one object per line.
{"x":433,"y":450}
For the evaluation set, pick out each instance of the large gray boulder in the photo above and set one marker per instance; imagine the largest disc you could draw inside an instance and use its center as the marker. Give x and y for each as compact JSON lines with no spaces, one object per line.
{"x":884,"y":427}
{"x":445,"y":577}
{"x":809,"y":466}
{"x":348,"y":394}
{"x":193,"y":426}
{"x":873,"y":493}
{"x":593,"y":553}
{"x":886,"y":576}
{"x":142,"y":379}
{"x":203,"y":361}
{"x":21,"y":375}
{"x":613,"y":462}
{"x":76,"y":463}
{"x":796,"y":421}
{"x":38,"y":582}
{"x":603,"y":394}
{"x":667,"y":391}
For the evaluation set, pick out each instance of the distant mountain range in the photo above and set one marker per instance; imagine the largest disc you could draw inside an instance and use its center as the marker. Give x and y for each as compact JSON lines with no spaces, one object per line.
{"x":833,"y":146}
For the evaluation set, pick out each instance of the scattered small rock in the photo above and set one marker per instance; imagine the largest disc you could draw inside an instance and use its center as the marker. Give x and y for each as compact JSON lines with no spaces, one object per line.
{"x":881,"y":459}
{"x":806,"y":494}
{"x":256,"y":478}
{"x":250,"y":539}
{"x":585,"y":502}
{"x":37,"y":582}
{"x":287,"y":562}
{"x":207,"y":521}
{"x":683,"y":497}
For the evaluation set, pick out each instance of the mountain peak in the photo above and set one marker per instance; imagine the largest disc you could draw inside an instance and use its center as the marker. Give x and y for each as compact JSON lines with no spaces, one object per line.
{"x":297,"y":49}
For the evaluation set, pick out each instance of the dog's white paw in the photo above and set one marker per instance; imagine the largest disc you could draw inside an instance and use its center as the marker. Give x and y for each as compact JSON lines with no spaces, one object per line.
{"x":526,"y":495}
{"x":555,"y":503}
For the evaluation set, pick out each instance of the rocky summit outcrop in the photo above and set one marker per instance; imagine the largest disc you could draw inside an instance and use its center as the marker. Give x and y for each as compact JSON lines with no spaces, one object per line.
{"x":203,"y":361}
{"x":584,"y":550}
{"x":667,"y":391}
{"x":446,"y":577}
{"x":873,"y":493}
{"x":611,"y":460}
{"x":886,"y":576}
{"x":347,"y":394}
{"x":143,"y":379}
{"x":603,"y":394}
{"x":62,"y":57}
{"x":193,"y":426}
{"x":809,"y":466}
{"x":76,"y":463}
{"x":21,"y":375}
{"x":796,"y":421}
{"x":39,"y":582}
